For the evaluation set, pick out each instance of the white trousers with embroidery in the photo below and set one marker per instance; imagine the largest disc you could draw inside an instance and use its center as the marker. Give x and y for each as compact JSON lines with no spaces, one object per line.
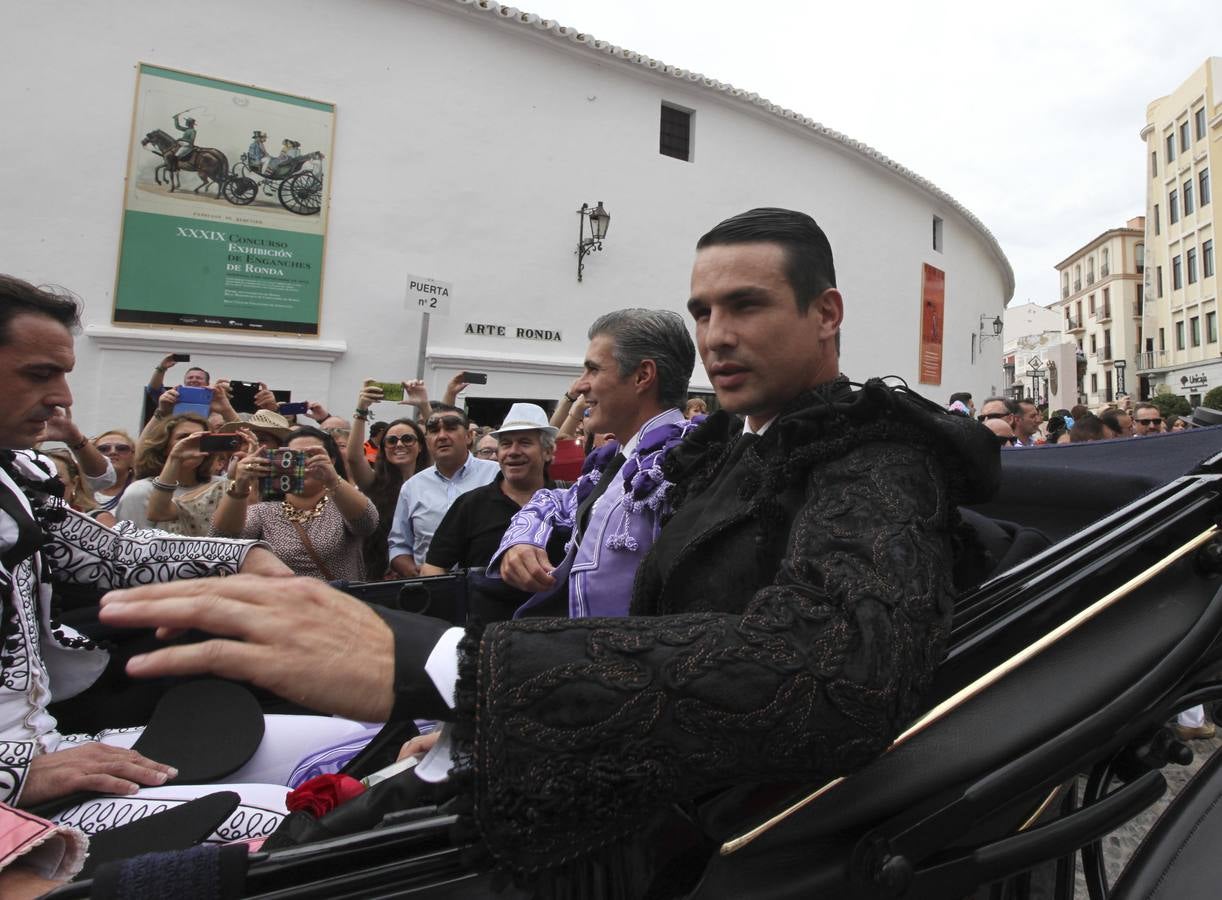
{"x":260,"y":783}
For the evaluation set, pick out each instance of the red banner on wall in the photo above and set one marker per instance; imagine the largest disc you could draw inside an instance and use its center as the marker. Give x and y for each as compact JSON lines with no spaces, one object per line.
{"x":933,"y":298}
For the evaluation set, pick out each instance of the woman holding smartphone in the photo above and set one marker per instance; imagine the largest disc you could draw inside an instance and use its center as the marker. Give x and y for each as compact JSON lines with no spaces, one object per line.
{"x":316,"y":529}
{"x":401,"y":455}
{"x":180,"y":497}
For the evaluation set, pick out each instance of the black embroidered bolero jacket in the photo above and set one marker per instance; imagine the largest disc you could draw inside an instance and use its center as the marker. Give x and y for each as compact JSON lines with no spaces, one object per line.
{"x":785,"y":626}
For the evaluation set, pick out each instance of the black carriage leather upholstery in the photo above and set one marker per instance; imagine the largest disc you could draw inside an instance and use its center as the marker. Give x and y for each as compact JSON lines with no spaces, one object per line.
{"x":1062,"y":489}
{"x":1179,"y":857}
{"x":1006,"y":543}
{"x":1093,"y":683}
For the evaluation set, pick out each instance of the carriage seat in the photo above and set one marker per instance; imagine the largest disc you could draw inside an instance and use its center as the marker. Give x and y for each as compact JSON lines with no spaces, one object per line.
{"x":1179,"y":857}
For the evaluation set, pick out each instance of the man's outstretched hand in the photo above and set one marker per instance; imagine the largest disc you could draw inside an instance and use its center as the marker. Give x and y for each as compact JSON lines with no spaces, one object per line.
{"x":91,"y":767}
{"x":305,"y":641}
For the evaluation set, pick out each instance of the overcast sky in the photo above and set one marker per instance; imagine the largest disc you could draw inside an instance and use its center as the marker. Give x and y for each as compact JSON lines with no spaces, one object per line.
{"x":1027,"y":114}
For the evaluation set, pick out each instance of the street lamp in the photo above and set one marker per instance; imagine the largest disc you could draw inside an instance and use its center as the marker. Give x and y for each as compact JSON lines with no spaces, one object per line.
{"x":599,"y":220}
{"x":996,"y":325}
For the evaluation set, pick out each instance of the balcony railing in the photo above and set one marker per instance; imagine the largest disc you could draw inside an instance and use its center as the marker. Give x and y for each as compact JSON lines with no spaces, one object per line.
{"x":1105,"y":313}
{"x":1077,"y":285}
{"x":1137,"y":309}
{"x":1073,"y":323}
{"x":1064,"y":292}
{"x":1151,"y":360}
{"x":1090,"y":279}
{"x":1105,"y":355}
{"x":1103,"y":272}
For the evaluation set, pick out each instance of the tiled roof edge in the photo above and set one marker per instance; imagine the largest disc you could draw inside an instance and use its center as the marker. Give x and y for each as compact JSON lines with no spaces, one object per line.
{"x":554,"y":29}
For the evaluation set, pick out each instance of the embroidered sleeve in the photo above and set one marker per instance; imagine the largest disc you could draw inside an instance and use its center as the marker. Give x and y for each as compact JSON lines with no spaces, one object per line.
{"x":576,"y":731}
{"x":534,"y":523}
{"x":84,"y":551}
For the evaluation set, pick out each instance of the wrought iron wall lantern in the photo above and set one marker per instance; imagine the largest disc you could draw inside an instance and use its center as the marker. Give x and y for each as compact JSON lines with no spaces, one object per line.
{"x":599,"y":219}
{"x":995,"y":329}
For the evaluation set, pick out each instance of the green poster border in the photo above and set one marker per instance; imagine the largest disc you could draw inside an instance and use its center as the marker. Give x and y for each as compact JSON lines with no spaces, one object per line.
{"x":201,"y":81}
{"x":191,"y":78}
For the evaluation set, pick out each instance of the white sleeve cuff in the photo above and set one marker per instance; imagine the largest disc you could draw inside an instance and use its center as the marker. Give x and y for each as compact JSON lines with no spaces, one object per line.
{"x":101,"y":482}
{"x":442,"y":664}
{"x":438,"y":761}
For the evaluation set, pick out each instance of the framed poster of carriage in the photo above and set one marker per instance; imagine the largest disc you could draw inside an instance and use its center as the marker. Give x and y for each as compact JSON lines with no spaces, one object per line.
{"x":225,"y":206}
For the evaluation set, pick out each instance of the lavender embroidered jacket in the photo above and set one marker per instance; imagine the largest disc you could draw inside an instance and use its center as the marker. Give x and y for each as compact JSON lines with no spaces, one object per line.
{"x":623,"y":523}
{"x":41,"y":661}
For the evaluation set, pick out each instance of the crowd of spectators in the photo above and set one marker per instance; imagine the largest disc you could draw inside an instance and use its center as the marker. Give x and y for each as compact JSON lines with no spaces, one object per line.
{"x":375,"y":495}
{"x":1023,"y":423}
{"x":376,"y":492}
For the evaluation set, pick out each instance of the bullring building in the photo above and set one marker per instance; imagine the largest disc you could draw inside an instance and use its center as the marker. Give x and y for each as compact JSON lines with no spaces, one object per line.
{"x":448,"y":143}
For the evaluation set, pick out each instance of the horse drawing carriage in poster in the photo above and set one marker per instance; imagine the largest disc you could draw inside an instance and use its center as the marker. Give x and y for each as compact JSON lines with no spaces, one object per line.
{"x":210,"y":164}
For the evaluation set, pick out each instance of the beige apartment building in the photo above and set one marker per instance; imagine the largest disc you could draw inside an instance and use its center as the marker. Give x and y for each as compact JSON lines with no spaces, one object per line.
{"x":1101,"y":311}
{"x":1183,"y":136}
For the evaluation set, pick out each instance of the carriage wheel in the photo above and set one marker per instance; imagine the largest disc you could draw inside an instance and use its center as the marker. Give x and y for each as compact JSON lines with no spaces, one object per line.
{"x":302,"y":194}
{"x":240,"y":191}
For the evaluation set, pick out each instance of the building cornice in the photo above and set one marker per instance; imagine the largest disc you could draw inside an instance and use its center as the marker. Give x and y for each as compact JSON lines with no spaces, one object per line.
{"x":1091,"y":245}
{"x":563,"y":34}
{"x":217,"y":343}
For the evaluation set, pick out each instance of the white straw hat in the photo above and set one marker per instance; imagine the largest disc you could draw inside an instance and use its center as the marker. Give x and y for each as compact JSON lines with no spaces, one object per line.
{"x":526,"y":417}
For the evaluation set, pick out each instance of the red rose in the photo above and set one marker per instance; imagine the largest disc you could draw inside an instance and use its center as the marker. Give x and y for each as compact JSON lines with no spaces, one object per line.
{"x":323,"y":793}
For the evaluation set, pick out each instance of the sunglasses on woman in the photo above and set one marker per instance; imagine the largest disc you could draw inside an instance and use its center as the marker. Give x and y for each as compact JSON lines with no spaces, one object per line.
{"x":405,"y":439}
{"x":114,"y":448}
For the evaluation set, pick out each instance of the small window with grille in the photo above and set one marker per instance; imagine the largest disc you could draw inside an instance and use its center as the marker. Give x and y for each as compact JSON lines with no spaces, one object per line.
{"x":675,"y":137}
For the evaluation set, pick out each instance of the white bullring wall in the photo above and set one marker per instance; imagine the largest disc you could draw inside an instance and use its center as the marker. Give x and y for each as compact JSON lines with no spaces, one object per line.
{"x":464,"y":146}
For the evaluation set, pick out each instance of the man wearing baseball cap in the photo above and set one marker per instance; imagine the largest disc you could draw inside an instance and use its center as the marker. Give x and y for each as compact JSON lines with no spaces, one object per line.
{"x":472,"y":528}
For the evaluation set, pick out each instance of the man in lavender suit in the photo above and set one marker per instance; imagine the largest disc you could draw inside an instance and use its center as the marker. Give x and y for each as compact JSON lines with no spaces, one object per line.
{"x":635,"y":381}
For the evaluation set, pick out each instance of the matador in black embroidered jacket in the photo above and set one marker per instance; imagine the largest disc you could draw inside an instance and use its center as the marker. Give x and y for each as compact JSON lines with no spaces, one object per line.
{"x":785,"y":626}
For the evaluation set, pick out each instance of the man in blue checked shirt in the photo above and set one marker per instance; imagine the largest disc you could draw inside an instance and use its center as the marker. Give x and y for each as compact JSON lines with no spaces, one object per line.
{"x":425,"y":497}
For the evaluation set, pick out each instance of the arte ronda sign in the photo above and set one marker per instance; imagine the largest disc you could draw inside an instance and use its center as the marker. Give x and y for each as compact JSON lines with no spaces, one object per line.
{"x":225,"y":208}
{"x":487,"y":329}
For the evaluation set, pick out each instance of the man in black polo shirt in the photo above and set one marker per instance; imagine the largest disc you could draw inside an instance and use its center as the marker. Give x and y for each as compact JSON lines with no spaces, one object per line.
{"x":471,"y":531}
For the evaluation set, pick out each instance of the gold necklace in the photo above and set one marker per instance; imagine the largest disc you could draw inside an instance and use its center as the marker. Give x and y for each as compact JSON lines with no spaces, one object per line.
{"x":303,"y":515}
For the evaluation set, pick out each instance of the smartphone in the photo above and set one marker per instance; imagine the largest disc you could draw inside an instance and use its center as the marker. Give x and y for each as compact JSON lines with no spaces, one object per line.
{"x":182,"y":357}
{"x":283,"y":396}
{"x":294,"y":409}
{"x":391,"y":390}
{"x":475,"y":377}
{"x":287,"y":477}
{"x":196,"y":400}
{"x":242,"y":395}
{"x":219,"y":443}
